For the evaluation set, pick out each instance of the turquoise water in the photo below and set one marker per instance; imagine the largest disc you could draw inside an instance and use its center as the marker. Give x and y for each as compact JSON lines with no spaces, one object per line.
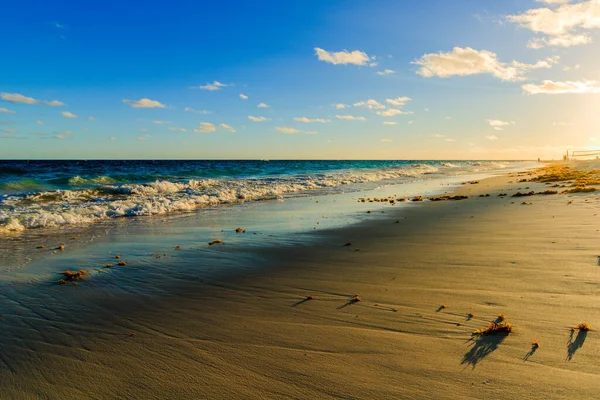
{"x":50,"y":194}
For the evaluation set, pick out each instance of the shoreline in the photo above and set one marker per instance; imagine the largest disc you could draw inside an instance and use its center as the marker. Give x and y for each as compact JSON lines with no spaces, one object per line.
{"x":254,"y":334}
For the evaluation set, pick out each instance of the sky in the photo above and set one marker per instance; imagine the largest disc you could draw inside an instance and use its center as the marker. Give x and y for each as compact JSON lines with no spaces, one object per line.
{"x":305,"y":79}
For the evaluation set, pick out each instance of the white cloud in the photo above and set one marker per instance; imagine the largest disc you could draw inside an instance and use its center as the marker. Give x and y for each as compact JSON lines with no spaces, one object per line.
{"x":468,"y":61}
{"x":497,"y":124}
{"x":113,"y":138}
{"x":67,"y":132}
{"x":386,"y":72}
{"x":571,"y":68}
{"x":350,"y":118}
{"x":188,"y":109}
{"x":19,"y":98}
{"x":144,"y":103}
{"x":562,"y":26}
{"x":40,"y":122}
{"x":263,"y":105}
{"x":398,"y":101}
{"x":142,"y":138}
{"x":60,"y":137}
{"x":243,"y":97}
{"x":390,"y":123}
{"x":286,"y":130}
{"x":390,"y":112}
{"x":67,"y":114}
{"x":7,"y":111}
{"x":343,"y":57}
{"x":225,"y":126}
{"x":205,"y":127}
{"x":450,"y":140}
{"x":257,"y":119}
{"x":143,"y":130}
{"x":175,"y":129}
{"x":161,"y":122}
{"x":310,"y":120}
{"x":409,"y":122}
{"x":216,"y":85}
{"x":552,"y":87}
{"x":340,"y":106}
{"x":7,"y":130}
{"x":386,"y":140}
{"x":553,"y":2}
{"x":370,"y":104}
{"x":437,"y":135}
{"x":91,"y":119}
{"x":491,"y":137}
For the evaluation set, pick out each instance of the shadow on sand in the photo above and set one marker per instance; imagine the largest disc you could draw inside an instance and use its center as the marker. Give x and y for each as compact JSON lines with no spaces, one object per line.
{"x":296,"y":304}
{"x":531,"y":352}
{"x":349,"y":303}
{"x":481,"y":347}
{"x":575,"y":344}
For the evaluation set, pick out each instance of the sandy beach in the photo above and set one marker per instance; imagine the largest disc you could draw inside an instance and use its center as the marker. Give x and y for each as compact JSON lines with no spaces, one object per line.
{"x":290,"y":326}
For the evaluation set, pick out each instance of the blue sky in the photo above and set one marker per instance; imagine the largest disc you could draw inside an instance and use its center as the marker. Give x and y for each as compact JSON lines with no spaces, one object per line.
{"x":446,"y":79}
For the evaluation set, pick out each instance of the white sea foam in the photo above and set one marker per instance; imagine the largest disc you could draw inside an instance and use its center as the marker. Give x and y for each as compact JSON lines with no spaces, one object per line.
{"x":85,"y":206}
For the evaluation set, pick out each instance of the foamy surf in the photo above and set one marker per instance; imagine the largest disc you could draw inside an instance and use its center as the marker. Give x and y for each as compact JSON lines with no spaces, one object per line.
{"x":101,"y":198}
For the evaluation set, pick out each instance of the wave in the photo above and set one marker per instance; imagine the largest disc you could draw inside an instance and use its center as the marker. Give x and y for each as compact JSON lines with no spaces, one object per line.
{"x":107,"y":200}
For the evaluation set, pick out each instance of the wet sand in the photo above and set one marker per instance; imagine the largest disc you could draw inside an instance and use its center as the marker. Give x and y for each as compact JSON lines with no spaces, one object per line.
{"x":249,"y":330}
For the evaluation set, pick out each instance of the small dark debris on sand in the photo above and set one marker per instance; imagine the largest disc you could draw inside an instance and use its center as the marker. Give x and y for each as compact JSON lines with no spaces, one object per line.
{"x":216,"y":241}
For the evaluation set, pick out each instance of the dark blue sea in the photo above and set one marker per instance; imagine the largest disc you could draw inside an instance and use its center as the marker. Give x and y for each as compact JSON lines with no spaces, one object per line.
{"x":42,"y":194}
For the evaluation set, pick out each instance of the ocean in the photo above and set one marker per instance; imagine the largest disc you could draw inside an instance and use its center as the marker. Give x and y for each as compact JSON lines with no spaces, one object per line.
{"x":51,"y":194}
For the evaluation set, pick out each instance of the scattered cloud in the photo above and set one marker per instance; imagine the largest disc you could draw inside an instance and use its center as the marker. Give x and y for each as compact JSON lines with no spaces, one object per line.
{"x":60,"y":137}
{"x":497,"y":124}
{"x":161,"y":122}
{"x":225,"y":126}
{"x":571,"y":68}
{"x":350,"y":118}
{"x":562,"y":26}
{"x":7,"y":130}
{"x":143,"y":130}
{"x":390,"y":112}
{"x":263,"y":105}
{"x":553,"y":87}
{"x":7,"y":111}
{"x":491,"y":137}
{"x":144,"y":103}
{"x":175,"y":129}
{"x":188,"y":109}
{"x":67,"y":114}
{"x":398,"y":101}
{"x":113,"y":138}
{"x":91,"y":119}
{"x":206,"y":127}
{"x":19,"y":98}
{"x":311,"y":120}
{"x":355,"y":57}
{"x":370,"y":104}
{"x":286,"y":130}
{"x":390,"y":123}
{"x":468,"y":61}
{"x":40,"y":122}
{"x":386,"y":140}
{"x":340,"y":106}
{"x":257,"y":119}
{"x":437,"y":135}
{"x":386,"y":72}
{"x":243,"y":97}
{"x":450,"y":140}
{"x":142,"y":138}
{"x":216,"y":85}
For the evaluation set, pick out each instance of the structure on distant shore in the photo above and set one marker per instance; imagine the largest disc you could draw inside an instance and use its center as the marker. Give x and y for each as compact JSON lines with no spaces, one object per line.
{"x":582,"y":154}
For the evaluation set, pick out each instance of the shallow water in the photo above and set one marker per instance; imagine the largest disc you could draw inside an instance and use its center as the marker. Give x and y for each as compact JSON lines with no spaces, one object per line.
{"x":148,"y":244}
